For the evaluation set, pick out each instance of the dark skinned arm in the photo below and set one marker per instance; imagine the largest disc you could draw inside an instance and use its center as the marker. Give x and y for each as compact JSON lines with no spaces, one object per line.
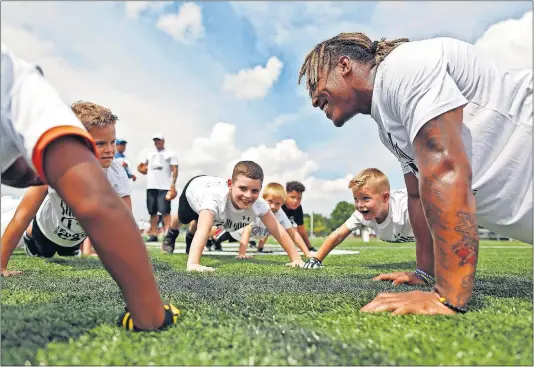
{"x":79,"y":180}
{"x":449,"y":206}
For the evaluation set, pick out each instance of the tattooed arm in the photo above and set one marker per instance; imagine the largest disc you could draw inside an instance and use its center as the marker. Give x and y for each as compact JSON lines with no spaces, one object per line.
{"x":449,"y":206}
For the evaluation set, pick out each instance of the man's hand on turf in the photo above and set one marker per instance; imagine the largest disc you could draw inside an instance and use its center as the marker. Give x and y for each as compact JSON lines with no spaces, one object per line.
{"x":401,"y":277}
{"x":296,"y":264}
{"x":8,"y":273}
{"x":415,"y":302}
{"x":198,"y":267}
{"x":313,"y":263}
{"x":243,"y":257}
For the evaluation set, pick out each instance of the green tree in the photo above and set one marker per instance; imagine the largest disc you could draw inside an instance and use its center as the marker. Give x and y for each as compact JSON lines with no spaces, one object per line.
{"x":340,"y":214}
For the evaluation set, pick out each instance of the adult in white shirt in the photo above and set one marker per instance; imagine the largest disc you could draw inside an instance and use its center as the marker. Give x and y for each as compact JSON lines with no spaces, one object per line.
{"x":461,"y":128}
{"x":161,"y":168}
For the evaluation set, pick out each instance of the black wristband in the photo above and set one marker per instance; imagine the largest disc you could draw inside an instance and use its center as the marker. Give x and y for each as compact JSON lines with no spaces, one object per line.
{"x":449,"y":305}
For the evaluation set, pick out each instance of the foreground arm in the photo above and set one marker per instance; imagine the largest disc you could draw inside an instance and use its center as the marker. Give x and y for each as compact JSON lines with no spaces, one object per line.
{"x":79,"y":180}
{"x":449,"y":206}
{"x":280,"y":234}
{"x":204,"y":224}
{"x":423,"y":238}
{"x":24,"y":214}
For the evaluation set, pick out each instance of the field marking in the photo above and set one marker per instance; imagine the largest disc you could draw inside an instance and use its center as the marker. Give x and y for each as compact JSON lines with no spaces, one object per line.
{"x":232,"y":249}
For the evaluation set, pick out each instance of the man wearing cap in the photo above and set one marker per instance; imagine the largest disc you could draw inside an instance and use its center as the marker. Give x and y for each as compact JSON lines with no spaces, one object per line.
{"x":121,"y":158}
{"x":161,"y":168}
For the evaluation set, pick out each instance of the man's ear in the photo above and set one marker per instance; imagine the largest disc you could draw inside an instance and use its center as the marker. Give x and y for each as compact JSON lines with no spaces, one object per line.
{"x":344,"y":65}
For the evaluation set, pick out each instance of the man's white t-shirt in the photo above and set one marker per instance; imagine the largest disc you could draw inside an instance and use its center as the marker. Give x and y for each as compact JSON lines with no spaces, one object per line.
{"x":57,"y":221}
{"x":212,"y":193}
{"x":30,"y":107}
{"x":396,"y":227}
{"x":259,"y":230}
{"x":421,"y":80}
{"x":159,"y":175}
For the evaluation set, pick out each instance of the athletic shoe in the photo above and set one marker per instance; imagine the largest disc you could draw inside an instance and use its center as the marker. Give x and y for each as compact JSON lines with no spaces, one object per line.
{"x":169,"y":241}
{"x":29,"y":245}
{"x":312,"y":249}
{"x":152,"y":239}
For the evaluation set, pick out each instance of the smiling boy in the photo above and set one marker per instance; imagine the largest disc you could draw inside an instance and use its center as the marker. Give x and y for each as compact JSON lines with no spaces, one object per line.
{"x":230,"y":204}
{"x":377,"y":207}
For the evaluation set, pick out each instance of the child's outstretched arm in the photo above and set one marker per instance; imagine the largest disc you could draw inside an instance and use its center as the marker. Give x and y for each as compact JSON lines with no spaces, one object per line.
{"x":334,"y":239}
{"x":26,"y":211}
{"x":280,"y":234}
{"x":243,"y":244}
{"x":295,"y":236}
{"x":204,"y":224}
{"x":75,"y":173}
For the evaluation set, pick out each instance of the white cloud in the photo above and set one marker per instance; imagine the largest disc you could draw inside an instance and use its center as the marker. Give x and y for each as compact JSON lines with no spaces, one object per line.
{"x":134,"y":9}
{"x":339,"y":185}
{"x":509,"y":42}
{"x":185,"y":26}
{"x":254,"y":83}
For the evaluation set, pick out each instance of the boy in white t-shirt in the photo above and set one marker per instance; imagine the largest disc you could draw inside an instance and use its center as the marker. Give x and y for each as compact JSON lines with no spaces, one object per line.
{"x":230,"y":204}
{"x":54,"y":228}
{"x":43,"y":142}
{"x":377,"y":207}
{"x":275,"y":196}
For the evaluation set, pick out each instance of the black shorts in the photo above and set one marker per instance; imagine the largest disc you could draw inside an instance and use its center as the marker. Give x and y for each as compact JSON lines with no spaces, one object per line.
{"x":186,"y":214}
{"x":155,"y":202}
{"x":43,"y":247}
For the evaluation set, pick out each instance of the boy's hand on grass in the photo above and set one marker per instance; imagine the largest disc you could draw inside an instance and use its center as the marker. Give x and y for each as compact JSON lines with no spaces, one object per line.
{"x":198,"y":267}
{"x":8,"y":273}
{"x":415,"y":302}
{"x":401,"y":277}
{"x":296,"y":263}
{"x":245,"y":256}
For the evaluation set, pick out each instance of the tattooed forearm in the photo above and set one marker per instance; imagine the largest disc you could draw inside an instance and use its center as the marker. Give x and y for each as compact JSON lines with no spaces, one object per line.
{"x":449,"y":205}
{"x":467,"y":248}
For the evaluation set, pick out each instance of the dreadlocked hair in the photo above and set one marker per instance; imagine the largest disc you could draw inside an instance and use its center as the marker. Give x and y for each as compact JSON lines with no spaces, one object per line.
{"x":355,"y":45}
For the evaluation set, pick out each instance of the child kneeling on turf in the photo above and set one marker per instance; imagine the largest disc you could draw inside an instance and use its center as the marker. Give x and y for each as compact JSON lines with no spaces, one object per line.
{"x":377,"y":208}
{"x":230,"y":204}
{"x":275,"y":196}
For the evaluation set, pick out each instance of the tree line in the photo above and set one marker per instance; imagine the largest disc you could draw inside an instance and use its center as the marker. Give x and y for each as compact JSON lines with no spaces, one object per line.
{"x":323,"y":226}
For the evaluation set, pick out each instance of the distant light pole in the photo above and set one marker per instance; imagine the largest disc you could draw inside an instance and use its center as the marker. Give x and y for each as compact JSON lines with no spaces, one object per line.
{"x":311,"y":225}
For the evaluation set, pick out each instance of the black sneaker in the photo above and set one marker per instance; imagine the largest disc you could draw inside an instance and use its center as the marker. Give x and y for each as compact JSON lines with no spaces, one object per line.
{"x":218,"y":246}
{"x":152,"y":239}
{"x":312,"y":249}
{"x":252,"y":243}
{"x":169,"y":240}
{"x":29,"y":245}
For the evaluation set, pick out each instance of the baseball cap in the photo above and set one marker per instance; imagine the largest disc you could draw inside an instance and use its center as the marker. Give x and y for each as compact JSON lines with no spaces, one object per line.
{"x":158,"y":136}
{"x":120,"y":141}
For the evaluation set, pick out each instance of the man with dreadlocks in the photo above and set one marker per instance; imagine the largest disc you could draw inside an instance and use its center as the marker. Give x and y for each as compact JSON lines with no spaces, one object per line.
{"x":461,"y":128}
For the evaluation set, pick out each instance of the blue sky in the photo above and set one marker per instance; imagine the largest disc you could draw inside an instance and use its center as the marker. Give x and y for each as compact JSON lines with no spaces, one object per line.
{"x":164,"y":67}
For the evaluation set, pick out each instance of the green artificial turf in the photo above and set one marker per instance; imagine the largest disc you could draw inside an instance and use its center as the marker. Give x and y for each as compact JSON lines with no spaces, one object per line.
{"x":63,"y":311}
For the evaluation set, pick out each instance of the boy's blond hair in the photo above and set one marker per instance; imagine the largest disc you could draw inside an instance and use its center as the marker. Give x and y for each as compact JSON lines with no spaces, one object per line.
{"x":371,"y":177}
{"x":92,"y":115}
{"x":274,"y":190}
{"x":248,"y":169}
